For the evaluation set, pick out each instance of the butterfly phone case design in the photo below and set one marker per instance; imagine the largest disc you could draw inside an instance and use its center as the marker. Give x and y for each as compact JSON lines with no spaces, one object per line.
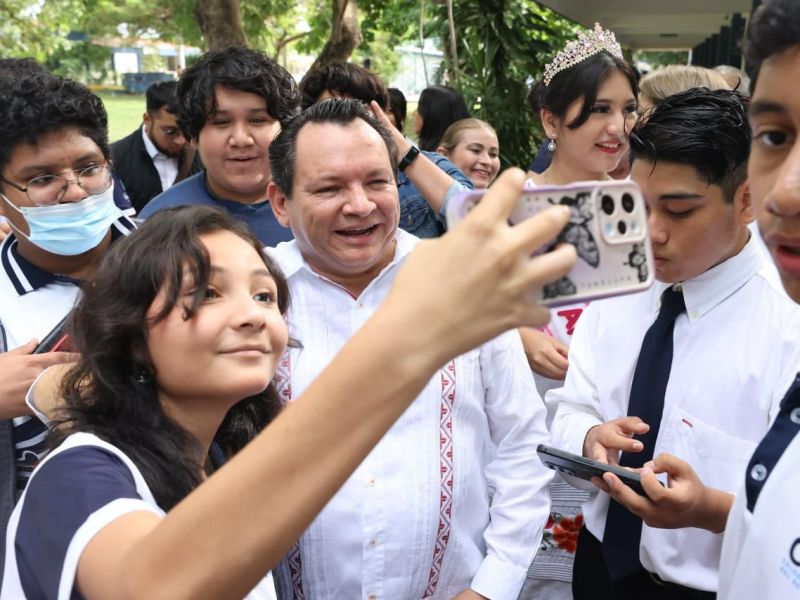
{"x":607,"y":226}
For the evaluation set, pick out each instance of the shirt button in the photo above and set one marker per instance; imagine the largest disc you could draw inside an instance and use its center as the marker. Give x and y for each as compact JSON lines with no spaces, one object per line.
{"x":694,"y":314}
{"x":372,"y":597}
{"x":795,"y":416}
{"x":372,"y":482}
{"x":373,"y":542}
{"x":758,"y":472}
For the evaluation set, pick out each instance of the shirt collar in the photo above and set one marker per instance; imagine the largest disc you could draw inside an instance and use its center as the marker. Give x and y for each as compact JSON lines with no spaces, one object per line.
{"x":151,"y":147}
{"x":27,"y":277}
{"x":707,"y":290}
{"x":291,"y":261}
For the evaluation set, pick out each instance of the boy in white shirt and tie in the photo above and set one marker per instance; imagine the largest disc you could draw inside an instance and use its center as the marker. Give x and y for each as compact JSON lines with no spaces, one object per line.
{"x":683,"y":367}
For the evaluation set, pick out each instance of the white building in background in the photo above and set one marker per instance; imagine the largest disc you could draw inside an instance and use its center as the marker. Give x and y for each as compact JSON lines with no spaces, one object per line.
{"x":418,"y":68}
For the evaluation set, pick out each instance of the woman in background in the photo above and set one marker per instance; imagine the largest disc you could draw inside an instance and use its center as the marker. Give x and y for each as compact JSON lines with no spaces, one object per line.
{"x":672,"y":79}
{"x":439,"y":107}
{"x":472,"y":146}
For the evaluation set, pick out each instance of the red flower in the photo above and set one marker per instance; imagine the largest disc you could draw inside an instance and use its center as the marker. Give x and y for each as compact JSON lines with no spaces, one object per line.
{"x":565,"y":532}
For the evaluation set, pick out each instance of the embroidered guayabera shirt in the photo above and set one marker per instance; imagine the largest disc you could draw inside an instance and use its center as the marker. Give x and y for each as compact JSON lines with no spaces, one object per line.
{"x":415,"y":520}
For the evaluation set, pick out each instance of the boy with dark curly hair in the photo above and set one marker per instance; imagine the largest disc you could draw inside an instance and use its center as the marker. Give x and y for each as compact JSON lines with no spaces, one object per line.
{"x":231,"y":105}
{"x":57,"y":193}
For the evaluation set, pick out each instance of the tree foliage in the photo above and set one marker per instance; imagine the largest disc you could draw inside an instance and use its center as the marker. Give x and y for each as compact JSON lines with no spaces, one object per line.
{"x":36,"y":29}
{"x":502,"y":47}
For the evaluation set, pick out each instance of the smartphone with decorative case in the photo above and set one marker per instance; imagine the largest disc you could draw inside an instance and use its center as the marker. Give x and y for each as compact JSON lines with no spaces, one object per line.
{"x":607,"y":226}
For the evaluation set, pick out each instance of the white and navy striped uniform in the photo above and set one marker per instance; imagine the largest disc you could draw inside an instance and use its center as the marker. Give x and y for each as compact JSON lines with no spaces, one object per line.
{"x":32,"y":302}
{"x":75,"y":491}
{"x":761,"y":547}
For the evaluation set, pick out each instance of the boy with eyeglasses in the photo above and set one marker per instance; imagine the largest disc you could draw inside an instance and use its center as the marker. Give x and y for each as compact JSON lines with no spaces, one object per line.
{"x":57,"y":192}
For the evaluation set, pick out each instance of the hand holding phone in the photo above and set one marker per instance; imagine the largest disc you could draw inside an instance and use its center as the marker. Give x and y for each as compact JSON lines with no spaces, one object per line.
{"x":608,"y":227}
{"x":57,"y":340}
{"x":586,"y":468}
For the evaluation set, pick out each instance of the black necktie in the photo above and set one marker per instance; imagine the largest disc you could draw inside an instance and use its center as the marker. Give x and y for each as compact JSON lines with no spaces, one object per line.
{"x":624,"y":529}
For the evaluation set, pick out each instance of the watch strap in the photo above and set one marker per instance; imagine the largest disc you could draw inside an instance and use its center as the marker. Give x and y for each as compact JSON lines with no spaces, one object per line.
{"x":409,"y":157}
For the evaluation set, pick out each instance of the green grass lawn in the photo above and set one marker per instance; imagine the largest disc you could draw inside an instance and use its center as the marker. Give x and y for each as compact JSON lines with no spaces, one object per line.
{"x":124,"y":112}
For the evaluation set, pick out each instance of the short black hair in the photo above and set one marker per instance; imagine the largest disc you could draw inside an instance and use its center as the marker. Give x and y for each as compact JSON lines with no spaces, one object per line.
{"x":40,"y":102}
{"x":702,"y":128}
{"x":340,"y":111}
{"x":774,"y":27}
{"x":343,"y":78}
{"x":439,"y":106}
{"x":236,"y":68}
{"x":581,"y":80}
{"x":161,"y":94}
{"x":398,"y":106}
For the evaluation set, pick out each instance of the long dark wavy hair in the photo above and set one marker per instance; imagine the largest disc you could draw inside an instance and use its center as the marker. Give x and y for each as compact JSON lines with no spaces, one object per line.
{"x":112,"y":390}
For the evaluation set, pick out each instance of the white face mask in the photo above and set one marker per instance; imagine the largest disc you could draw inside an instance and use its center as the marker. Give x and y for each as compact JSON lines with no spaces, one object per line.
{"x":71,"y":228}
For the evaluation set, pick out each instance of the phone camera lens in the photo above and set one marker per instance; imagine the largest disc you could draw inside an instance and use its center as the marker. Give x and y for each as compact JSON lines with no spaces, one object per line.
{"x":627,"y":203}
{"x":622,"y":227}
{"x":607,"y":204}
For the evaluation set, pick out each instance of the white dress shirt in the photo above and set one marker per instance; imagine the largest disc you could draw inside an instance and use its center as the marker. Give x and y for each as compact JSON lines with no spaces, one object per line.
{"x":414,"y":520}
{"x":761,"y":549}
{"x":734,"y":342}
{"x":166,"y":166}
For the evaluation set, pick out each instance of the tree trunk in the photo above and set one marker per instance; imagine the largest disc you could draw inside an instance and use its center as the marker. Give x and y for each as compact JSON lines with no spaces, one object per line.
{"x":221,"y":23}
{"x":453,"y":46}
{"x":345,"y":34}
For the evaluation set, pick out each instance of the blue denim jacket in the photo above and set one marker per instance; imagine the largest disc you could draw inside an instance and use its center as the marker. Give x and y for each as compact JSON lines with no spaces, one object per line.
{"x":416,"y":215}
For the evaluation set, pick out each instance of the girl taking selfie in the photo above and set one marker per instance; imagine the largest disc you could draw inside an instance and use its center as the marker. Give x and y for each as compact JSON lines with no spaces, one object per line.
{"x":161,"y":483}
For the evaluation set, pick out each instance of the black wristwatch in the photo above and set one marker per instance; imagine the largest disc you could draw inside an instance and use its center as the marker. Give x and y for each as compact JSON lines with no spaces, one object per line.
{"x":412,"y":153}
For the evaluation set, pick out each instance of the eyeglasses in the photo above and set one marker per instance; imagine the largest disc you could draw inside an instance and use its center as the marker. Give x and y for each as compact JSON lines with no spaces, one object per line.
{"x":46,"y":190}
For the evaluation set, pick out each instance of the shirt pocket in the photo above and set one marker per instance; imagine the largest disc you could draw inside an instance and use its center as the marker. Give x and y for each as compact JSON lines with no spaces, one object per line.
{"x":719,"y":458}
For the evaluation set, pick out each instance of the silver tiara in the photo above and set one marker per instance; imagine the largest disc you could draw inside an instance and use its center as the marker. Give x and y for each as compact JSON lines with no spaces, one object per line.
{"x":588,"y":44}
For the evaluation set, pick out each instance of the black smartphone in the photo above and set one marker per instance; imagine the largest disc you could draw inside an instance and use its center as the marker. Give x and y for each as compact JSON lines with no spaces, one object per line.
{"x":586,"y":468}
{"x":57,"y":340}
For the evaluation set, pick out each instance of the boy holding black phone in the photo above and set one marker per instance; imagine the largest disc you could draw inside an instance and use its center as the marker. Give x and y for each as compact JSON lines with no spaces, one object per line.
{"x":761,"y":545}
{"x":57,"y":193}
{"x":667,"y":370}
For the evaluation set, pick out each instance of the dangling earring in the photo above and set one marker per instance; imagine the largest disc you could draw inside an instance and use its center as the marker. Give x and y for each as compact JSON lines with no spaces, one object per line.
{"x":142,"y":376}
{"x":552,"y":145}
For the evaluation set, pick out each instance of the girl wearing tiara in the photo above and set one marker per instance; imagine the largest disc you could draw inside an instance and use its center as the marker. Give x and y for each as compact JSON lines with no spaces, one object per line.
{"x":587,"y":103}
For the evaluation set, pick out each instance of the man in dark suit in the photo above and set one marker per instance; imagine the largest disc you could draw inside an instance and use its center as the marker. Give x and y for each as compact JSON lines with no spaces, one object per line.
{"x":155,"y":156}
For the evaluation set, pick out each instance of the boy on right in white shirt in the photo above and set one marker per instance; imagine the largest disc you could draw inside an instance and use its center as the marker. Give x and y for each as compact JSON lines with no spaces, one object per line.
{"x":761,"y":549}
{"x":727,"y":330}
